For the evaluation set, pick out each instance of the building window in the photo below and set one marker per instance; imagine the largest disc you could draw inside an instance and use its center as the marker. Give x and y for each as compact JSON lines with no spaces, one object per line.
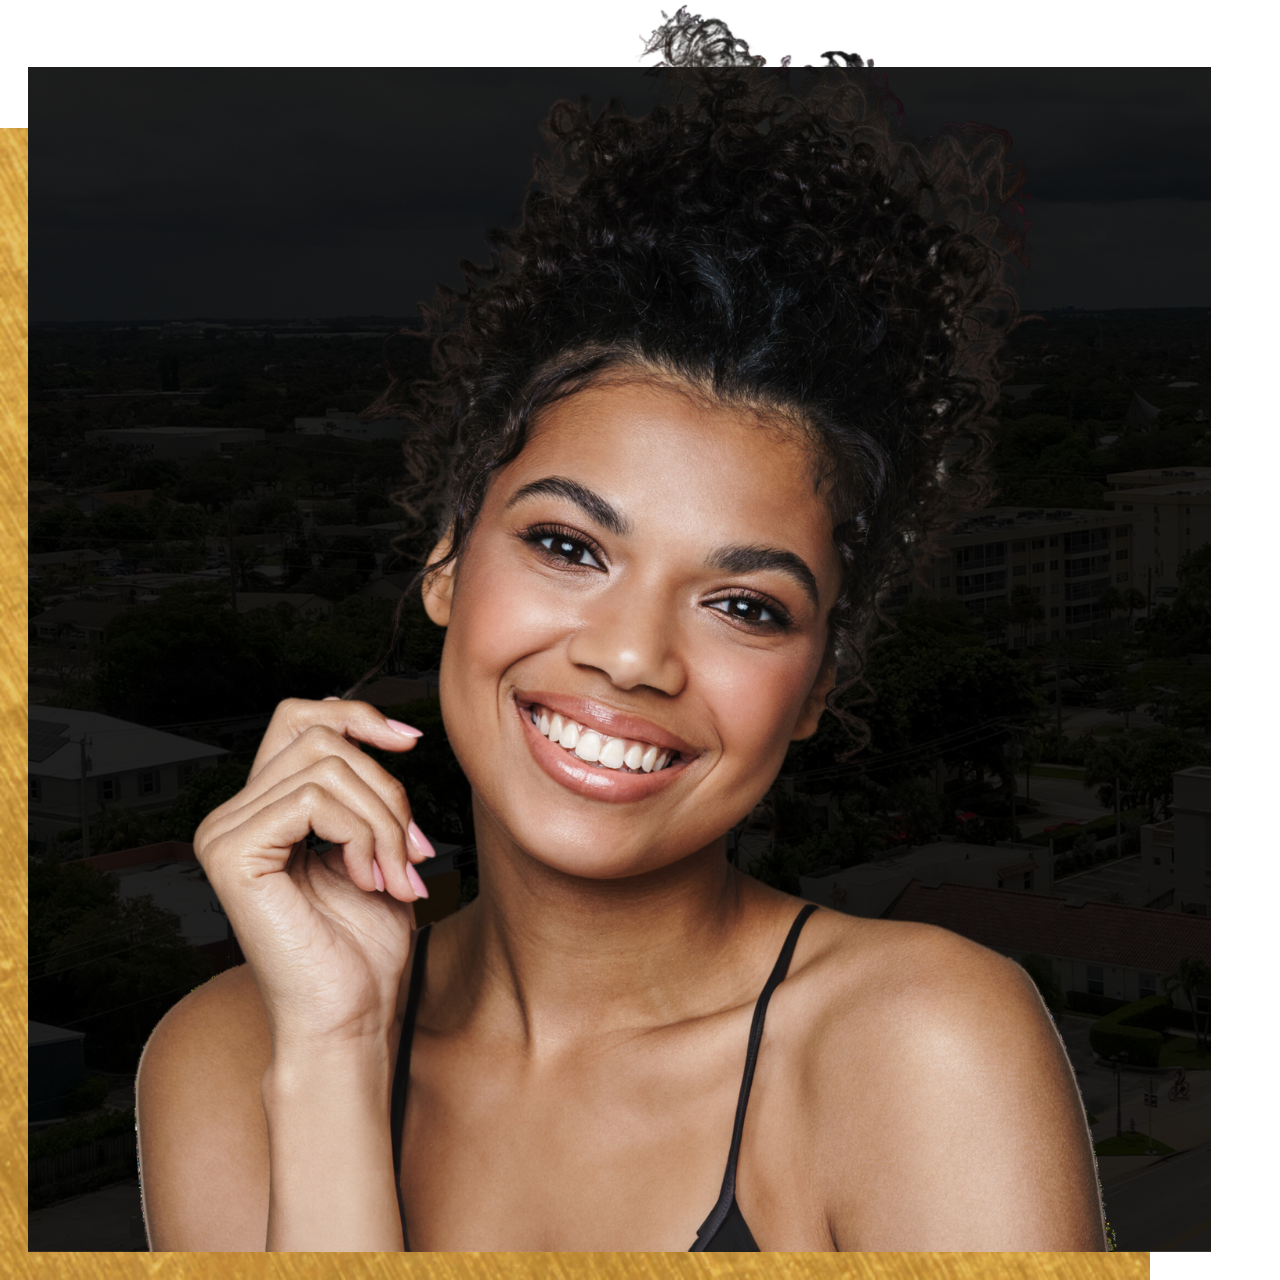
{"x":1122,"y":555}
{"x":1019,"y":570}
{"x":1022,"y":545}
{"x":1053,"y":542}
{"x":1037,"y":544}
{"x":1026,"y":880}
{"x":1147,"y":985}
{"x":1053,"y":588}
{"x":1093,"y":975}
{"x":1122,"y":577}
{"x":1053,"y":613}
{"x":1053,"y":564}
{"x":33,"y":788}
{"x":989,"y":553}
{"x":1155,"y":862}
{"x":1122,"y":531}
{"x":1038,"y":567}
{"x":148,"y":782}
{"x":108,"y":789}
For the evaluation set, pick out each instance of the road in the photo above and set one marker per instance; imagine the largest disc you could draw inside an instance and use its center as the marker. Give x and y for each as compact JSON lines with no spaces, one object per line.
{"x":106,"y":1221}
{"x":1164,"y":1207}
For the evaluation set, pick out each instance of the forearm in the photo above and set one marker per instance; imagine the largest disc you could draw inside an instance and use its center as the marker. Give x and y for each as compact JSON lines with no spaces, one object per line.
{"x":332,"y":1183}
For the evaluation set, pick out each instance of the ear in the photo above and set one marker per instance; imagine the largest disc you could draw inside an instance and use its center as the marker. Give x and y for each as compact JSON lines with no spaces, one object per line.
{"x":816,"y":703}
{"x":437,"y":586}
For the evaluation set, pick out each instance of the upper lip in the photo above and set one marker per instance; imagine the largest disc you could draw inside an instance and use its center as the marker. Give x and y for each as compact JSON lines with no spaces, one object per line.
{"x":606,"y":720}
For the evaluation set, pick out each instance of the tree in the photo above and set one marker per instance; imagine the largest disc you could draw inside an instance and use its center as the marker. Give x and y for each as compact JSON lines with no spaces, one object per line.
{"x":1026,"y":608}
{"x":1157,"y":755}
{"x":1109,"y":766}
{"x":1191,"y":977}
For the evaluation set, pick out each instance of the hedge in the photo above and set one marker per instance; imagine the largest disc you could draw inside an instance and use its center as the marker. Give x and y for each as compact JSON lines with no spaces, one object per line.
{"x":1084,"y":1002}
{"x":1133,"y":1029}
{"x":79,"y":1133}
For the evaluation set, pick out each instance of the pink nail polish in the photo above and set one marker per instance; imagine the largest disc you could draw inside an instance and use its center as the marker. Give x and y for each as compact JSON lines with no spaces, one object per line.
{"x":407,"y":729}
{"x":378,"y":880}
{"x":415,"y":880}
{"x":421,"y":842}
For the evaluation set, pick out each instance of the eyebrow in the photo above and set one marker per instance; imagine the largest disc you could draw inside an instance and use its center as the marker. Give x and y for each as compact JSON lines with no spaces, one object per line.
{"x":736,"y":559}
{"x":754,"y":559}
{"x":601,"y":511}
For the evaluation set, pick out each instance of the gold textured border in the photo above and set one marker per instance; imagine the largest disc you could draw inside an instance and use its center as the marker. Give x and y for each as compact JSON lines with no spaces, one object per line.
{"x":13,"y":919}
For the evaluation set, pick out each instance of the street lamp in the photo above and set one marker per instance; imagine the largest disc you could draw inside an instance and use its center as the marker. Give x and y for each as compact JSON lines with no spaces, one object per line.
{"x":1117,"y":1061}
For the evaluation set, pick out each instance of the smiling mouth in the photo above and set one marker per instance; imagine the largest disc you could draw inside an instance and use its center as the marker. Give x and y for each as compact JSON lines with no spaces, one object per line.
{"x":625,"y":755}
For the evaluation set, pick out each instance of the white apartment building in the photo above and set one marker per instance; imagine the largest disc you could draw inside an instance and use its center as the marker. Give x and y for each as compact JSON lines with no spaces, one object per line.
{"x":1066,"y":558}
{"x":1169,"y":510}
{"x":1175,"y":854}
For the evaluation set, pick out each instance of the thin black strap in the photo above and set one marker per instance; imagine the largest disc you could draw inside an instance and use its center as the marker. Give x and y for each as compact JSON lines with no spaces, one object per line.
{"x":400,"y":1081}
{"x":717,"y":1215}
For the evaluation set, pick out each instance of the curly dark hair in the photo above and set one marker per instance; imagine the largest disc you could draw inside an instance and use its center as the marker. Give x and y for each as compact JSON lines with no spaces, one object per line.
{"x":791,"y":252}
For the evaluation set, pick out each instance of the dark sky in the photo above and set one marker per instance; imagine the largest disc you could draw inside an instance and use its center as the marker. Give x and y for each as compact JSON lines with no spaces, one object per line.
{"x":320,"y":192}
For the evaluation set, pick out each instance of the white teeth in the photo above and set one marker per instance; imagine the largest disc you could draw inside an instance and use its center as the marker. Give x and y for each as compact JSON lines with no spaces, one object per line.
{"x":593,"y":747}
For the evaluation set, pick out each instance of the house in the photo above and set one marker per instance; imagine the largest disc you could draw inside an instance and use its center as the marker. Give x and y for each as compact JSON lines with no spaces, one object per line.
{"x":1097,"y":947}
{"x":55,"y":1065}
{"x":78,"y":621}
{"x":869,"y":888}
{"x":311,"y":606}
{"x":123,"y":764}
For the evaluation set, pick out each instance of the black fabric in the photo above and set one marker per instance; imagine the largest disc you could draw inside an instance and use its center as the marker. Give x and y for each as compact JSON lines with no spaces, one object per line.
{"x":725,"y":1230}
{"x":400,"y":1081}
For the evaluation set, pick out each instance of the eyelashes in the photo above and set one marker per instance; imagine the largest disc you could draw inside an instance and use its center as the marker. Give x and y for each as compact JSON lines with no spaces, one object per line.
{"x":563,"y":546}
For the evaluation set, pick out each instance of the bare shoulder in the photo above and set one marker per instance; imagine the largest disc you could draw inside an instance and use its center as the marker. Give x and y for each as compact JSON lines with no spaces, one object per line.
{"x":941,"y":1093}
{"x":202,"y":1134}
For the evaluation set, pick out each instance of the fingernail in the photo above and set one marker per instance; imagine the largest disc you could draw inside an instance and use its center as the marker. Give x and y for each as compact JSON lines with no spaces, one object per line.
{"x":379,"y":882}
{"x":407,"y":729}
{"x":420,"y":841}
{"x":415,"y":880}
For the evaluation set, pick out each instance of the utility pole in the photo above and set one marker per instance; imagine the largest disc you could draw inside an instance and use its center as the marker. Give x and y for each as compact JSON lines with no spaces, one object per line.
{"x":1057,"y":696}
{"x":85,"y":765}
{"x":231,"y":561}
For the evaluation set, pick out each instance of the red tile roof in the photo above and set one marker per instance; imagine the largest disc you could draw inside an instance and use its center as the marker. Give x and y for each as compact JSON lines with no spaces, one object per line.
{"x":1099,"y":932}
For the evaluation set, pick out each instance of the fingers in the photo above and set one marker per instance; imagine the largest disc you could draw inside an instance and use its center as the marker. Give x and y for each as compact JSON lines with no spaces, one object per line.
{"x":342,"y":808}
{"x":358,"y":721}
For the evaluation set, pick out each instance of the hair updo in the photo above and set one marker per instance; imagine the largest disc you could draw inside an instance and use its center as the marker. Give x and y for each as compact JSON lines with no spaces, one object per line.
{"x":791,"y":252}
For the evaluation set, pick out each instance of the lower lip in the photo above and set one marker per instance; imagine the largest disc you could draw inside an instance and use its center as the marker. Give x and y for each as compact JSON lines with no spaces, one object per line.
{"x":612,"y":785}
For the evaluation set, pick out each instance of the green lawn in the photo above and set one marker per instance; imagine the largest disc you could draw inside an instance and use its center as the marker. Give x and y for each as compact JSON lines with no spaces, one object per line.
{"x":1131,"y":1143}
{"x":1180,"y":1051}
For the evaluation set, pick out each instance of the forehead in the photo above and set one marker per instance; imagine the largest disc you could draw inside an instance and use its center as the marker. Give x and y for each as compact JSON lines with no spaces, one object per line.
{"x":671,"y":459}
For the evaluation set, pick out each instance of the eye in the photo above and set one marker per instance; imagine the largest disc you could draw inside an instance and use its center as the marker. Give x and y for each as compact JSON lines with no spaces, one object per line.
{"x":562,"y":547}
{"x":751,"y":611}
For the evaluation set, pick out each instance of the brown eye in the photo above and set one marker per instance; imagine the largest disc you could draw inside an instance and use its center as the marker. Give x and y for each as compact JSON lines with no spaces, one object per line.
{"x":568,"y":549}
{"x":744,"y":609}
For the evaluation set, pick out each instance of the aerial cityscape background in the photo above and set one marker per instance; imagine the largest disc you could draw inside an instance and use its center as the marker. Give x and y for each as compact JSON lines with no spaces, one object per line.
{"x":220,"y":256}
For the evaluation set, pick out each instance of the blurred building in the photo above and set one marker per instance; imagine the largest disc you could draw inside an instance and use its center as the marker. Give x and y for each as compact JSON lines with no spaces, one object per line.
{"x":1175,"y":854}
{"x":122,"y":764}
{"x":347,"y":426}
{"x":179,"y":443}
{"x":1170,"y":513}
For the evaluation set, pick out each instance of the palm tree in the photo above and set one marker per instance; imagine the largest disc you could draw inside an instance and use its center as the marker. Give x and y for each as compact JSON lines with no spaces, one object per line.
{"x":1190,"y":976}
{"x":1108,"y":765}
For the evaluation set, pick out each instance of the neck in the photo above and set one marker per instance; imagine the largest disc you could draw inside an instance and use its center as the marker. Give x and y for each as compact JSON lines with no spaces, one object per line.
{"x":554,"y":958}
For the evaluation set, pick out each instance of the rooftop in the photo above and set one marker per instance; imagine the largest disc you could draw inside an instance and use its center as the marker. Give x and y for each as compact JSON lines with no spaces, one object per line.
{"x":117,"y":745}
{"x":1026,"y":519}
{"x":1099,"y":932}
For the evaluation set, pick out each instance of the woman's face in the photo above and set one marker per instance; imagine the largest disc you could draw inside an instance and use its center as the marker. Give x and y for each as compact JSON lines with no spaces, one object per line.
{"x":656,"y":571}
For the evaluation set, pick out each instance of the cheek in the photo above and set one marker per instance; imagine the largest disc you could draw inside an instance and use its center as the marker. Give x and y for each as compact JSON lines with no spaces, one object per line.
{"x":758,"y":698}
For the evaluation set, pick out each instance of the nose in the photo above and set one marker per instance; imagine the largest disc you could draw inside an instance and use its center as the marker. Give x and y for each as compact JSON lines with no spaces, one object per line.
{"x":631,"y":635}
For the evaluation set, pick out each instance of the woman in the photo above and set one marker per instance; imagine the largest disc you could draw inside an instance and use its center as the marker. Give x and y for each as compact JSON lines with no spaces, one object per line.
{"x":725,"y":378}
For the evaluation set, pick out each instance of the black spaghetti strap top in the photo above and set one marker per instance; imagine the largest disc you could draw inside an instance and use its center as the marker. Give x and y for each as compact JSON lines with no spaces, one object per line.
{"x":725,"y":1230}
